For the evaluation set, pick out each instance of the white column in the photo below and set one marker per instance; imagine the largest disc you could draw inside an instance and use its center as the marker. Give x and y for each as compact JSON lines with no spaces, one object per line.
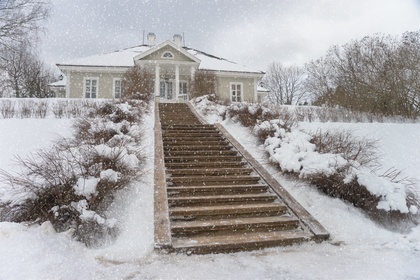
{"x":192,"y":72}
{"x":176,"y":82}
{"x":157,"y":80}
{"x":68,"y":80}
{"x":255,"y":90}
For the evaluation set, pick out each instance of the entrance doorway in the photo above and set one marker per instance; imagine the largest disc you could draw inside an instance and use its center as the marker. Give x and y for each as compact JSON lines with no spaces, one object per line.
{"x":166,"y":91}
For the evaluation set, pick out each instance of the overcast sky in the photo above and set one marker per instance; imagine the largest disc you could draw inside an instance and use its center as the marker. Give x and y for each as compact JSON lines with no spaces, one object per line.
{"x":250,"y":32}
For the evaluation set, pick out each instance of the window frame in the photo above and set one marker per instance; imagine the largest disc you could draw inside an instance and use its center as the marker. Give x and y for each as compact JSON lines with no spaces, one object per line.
{"x":85,"y":79}
{"x":234,"y":91}
{"x":183,"y":85}
{"x":114,"y":87}
{"x":168,"y":57}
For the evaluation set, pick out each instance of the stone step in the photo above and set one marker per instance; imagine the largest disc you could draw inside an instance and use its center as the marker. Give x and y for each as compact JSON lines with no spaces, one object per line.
{"x":184,"y":133}
{"x":203,"y":143}
{"x":191,"y":130}
{"x":167,"y":139}
{"x":220,"y":199}
{"x":245,"y":225}
{"x":201,"y":152}
{"x":204,"y":165}
{"x":197,"y":148}
{"x":166,"y":127}
{"x":226,"y":211}
{"x":215,"y":190}
{"x":209,"y":171}
{"x":213,"y":180}
{"x":220,"y":159}
{"x":235,"y":243}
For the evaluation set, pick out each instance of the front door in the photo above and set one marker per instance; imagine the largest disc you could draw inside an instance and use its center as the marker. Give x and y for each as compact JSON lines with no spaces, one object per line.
{"x":166,"y":91}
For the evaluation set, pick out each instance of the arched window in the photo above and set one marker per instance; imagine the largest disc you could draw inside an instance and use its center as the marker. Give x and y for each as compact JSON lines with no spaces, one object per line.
{"x":167,"y":55}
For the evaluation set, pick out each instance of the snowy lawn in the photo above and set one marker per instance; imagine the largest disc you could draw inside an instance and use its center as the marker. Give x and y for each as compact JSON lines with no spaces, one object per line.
{"x":358,"y":249}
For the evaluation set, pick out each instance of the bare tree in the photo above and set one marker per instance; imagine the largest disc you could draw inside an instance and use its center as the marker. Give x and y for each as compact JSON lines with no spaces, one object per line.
{"x":37,"y":76}
{"x":25,"y":74}
{"x":15,"y":59}
{"x":137,"y":84}
{"x":20,"y":19}
{"x":285,"y":84}
{"x":203,"y":83}
{"x":377,"y":74}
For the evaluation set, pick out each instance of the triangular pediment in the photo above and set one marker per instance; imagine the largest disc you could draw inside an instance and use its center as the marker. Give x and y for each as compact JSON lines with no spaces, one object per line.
{"x":167,"y":51}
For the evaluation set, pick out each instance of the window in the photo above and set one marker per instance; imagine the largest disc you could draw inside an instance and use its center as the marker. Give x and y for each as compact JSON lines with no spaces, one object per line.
{"x":183,"y":90}
{"x":117,"y":88}
{"x":183,"y":87}
{"x":91,"y":87}
{"x":236,"y":92}
{"x":166,"y":89}
{"x":167,"y":55}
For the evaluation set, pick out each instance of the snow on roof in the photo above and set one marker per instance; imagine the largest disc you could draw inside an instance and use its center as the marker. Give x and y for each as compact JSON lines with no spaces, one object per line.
{"x":211,"y":62}
{"x":125,"y":58}
{"x":60,"y":83}
{"x":120,"y":58}
{"x":263,"y":89}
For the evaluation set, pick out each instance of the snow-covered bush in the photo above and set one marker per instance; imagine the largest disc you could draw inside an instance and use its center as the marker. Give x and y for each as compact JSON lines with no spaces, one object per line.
{"x":72,"y":183}
{"x":210,"y":106}
{"x":7,"y":109}
{"x":343,"y":166}
{"x":249,"y":114}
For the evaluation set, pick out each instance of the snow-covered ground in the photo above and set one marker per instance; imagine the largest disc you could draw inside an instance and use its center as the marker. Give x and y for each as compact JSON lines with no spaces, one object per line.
{"x":358,"y":249}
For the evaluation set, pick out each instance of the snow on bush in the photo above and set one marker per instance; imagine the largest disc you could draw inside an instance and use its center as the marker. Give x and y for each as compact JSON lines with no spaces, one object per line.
{"x":209,"y":106}
{"x":295,"y":152}
{"x":72,"y":183}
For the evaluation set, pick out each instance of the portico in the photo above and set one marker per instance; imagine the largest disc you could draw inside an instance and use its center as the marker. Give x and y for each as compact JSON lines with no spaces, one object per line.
{"x":172,"y":80}
{"x":173,"y":67}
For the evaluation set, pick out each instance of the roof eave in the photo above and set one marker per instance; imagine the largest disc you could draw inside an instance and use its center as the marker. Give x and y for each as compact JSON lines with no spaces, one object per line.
{"x":233,"y":73}
{"x":92,"y":67}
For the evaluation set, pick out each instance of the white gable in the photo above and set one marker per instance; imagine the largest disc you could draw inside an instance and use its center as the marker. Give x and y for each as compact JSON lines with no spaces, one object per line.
{"x":171,"y":45}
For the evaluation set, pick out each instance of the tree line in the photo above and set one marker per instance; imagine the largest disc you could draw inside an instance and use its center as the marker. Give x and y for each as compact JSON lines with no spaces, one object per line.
{"x":22,"y":71}
{"x":377,"y":74}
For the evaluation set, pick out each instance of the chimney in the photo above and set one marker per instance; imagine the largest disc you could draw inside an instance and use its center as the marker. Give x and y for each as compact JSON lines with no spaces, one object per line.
{"x":177,"y":39}
{"x":151,"y":38}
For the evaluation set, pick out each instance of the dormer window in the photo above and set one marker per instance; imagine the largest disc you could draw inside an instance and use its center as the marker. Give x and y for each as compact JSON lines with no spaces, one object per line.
{"x":167,"y":55}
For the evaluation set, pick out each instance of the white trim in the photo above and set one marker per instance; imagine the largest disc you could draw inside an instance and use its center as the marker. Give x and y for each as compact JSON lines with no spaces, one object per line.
{"x":176,"y":81}
{"x":255,"y":90}
{"x":241,"y":91}
{"x":84,"y":87}
{"x":192,"y":72}
{"x":157,"y":80}
{"x":235,"y":74}
{"x":102,"y":69}
{"x":68,"y":82}
{"x":113,"y":87}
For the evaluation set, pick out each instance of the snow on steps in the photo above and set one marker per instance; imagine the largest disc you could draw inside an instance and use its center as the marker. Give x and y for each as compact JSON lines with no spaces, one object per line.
{"x":211,"y":196}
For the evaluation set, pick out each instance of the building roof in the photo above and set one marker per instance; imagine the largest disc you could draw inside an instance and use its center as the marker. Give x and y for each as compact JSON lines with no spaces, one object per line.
{"x":125,"y":58}
{"x":59,"y":83}
{"x":119,"y":58}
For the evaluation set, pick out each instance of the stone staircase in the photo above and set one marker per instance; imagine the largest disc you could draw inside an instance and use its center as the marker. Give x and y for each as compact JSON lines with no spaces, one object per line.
{"x":215,"y":198}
